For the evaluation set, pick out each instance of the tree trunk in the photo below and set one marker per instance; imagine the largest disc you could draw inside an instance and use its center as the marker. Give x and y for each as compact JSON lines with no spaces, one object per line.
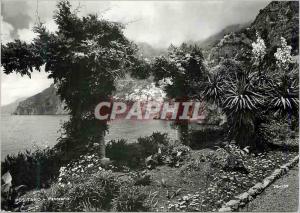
{"x":183,"y":130}
{"x":102,"y":151}
{"x":102,"y":147}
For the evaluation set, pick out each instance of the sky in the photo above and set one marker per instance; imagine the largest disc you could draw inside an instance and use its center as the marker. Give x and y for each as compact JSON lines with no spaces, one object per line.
{"x":159,"y":23}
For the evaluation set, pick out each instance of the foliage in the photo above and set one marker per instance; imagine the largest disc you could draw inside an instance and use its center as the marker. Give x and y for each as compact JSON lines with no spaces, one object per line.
{"x":213,"y":88}
{"x":182,"y":70}
{"x":10,"y":194}
{"x":177,"y":155}
{"x":88,"y":191}
{"x":131,"y":199}
{"x":125,"y":154}
{"x":248,"y":96}
{"x":279,"y":130}
{"x":142,"y":70}
{"x":150,"y":144}
{"x":184,"y":67}
{"x":101,"y":191}
{"x":206,"y":137}
{"x":84,"y":57}
{"x":283,"y":95}
{"x":221,"y":185}
{"x":85,"y":165}
{"x":35,"y":169}
{"x":230,"y":158}
{"x":133,"y":155}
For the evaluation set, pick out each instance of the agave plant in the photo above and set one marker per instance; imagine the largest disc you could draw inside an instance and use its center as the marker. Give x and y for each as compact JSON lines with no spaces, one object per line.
{"x":213,"y":88}
{"x":283,"y":96}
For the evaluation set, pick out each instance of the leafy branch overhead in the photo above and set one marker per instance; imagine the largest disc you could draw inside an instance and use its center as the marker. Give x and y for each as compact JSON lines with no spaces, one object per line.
{"x":85,"y":57}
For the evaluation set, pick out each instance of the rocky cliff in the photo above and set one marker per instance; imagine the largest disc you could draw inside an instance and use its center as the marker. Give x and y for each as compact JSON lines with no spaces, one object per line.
{"x":11,"y":108}
{"x":44,"y":103}
{"x":277,"y":19}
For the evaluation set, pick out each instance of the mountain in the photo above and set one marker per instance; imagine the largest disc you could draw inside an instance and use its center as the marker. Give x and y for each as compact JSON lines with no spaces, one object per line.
{"x":11,"y":108}
{"x":278,"y":19}
{"x":214,"y":39}
{"x":148,"y":51}
{"x":46,"y":102}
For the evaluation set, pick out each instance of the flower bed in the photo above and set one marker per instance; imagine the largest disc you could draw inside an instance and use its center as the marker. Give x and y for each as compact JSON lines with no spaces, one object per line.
{"x":222,"y":185}
{"x":202,"y":181}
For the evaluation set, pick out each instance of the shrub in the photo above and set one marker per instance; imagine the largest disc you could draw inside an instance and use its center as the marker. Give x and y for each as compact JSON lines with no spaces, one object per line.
{"x":206,"y":137}
{"x":151,"y":144}
{"x":34,"y":169}
{"x":278,"y":131}
{"x":124,"y":154}
{"x":99,"y":190}
{"x":87,"y":191}
{"x":140,"y":178}
{"x":133,"y":155}
{"x":131,"y":199}
{"x":103,"y":191}
{"x":176,"y":155}
{"x":229,"y":158}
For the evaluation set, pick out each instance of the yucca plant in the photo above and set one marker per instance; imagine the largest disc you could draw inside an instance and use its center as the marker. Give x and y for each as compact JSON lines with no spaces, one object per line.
{"x":241,"y":103}
{"x":283,"y":96}
{"x":241,"y":96}
{"x":214,"y":88}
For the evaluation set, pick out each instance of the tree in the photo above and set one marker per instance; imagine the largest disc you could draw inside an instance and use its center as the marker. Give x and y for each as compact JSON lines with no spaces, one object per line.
{"x":183,"y":70}
{"x":84,"y":57}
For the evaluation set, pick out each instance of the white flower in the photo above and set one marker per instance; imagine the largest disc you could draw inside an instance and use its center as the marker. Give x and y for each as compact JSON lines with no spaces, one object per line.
{"x":283,"y":55}
{"x":258,"y":49}
{"x":62,"y":170}
{"x":61,"y":185}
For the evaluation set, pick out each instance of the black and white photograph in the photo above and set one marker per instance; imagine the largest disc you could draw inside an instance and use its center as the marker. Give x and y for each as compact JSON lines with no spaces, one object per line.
{"x":149,"y":106}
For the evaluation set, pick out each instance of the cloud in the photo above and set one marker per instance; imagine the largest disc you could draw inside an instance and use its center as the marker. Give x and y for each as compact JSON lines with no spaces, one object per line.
{"x":6,"y":30}
{"x":15,"y":86}
{"x":26,"y":35}
{"x":16,"y":14}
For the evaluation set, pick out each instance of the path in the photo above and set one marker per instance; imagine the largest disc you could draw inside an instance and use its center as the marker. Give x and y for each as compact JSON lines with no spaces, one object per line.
{"x":280,"y":196}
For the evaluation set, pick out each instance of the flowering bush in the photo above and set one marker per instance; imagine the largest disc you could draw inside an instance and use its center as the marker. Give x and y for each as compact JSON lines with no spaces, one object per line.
{"x":283,"y":55}
{"x":86,"y":165}
{"x":258,"y":49}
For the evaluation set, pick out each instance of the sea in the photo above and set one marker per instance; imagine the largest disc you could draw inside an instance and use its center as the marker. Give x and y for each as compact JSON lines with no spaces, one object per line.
{"x":21,"y":132}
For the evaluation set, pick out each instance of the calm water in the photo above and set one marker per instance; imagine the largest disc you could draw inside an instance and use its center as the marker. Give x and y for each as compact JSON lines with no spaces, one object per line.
{"x":20,"y":132}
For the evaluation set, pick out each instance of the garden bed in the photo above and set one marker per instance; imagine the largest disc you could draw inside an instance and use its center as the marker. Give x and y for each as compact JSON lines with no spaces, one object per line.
{"x":196,"y":183}
{"x":207,"y":189}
